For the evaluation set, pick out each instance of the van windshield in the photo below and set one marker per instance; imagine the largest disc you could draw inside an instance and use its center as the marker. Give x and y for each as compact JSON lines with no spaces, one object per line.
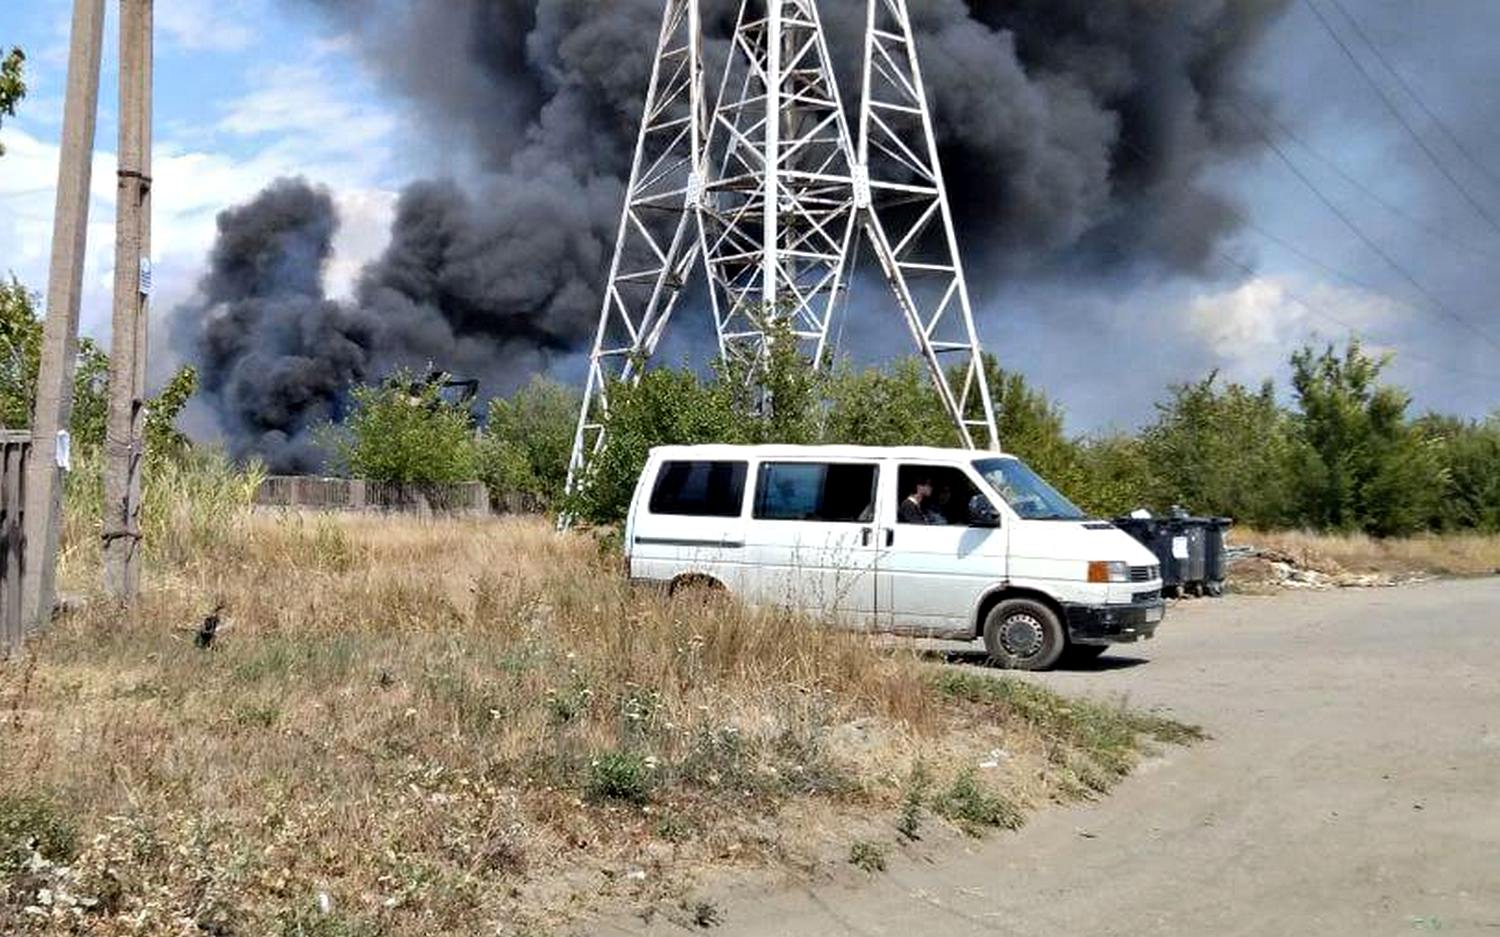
{"x":1026,"y":492}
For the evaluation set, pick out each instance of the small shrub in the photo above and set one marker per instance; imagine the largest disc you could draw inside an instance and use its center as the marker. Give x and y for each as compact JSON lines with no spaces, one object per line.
{"x":913,"y":803}
{"x":867,"y":856}
{"x":33,"y":823}
{"x":705,"y":914}
{"x":969,"y":804}
{"x":312,"y":922}
{"x":623,"y":776}
{"x":570,"y":703}
{"x":674,"y":828}
{"x":256,"y":716}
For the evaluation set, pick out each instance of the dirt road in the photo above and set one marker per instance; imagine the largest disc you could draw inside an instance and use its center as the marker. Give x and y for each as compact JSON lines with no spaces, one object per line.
{"x":1352,"y":787}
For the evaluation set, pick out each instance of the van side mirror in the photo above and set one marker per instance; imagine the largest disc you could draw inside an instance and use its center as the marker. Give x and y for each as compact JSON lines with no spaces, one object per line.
{"x":982,"y":513}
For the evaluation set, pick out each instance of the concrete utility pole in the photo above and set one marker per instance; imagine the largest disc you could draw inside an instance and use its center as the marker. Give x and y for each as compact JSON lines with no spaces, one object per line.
{"x":54,"y":390}
{"x":124,"y":440}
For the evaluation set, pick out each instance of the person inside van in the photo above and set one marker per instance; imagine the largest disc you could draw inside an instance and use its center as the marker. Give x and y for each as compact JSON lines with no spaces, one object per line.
{"x":942,"y":503}
{"x":913,"y":508}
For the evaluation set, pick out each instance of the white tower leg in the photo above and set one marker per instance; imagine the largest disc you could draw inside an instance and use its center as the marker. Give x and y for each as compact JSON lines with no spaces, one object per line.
{"x":657,"y":242}
{"x":910,"y":222}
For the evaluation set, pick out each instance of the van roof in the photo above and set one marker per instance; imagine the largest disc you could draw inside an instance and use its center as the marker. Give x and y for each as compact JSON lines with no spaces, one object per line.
{"x":774,"y":451}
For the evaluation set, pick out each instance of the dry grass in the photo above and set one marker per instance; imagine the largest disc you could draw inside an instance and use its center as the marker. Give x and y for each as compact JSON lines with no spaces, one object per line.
{"x":1439,"y":554}
{"x":444,"y":727}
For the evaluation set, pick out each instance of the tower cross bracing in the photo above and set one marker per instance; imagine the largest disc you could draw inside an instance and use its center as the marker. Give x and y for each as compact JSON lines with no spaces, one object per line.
{"x":768,"y":191}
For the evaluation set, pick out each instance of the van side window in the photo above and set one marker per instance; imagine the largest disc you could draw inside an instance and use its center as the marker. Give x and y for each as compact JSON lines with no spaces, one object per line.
{"x":949,"y":494}
{"x":816,"y":491}
{"x":700,"y":489}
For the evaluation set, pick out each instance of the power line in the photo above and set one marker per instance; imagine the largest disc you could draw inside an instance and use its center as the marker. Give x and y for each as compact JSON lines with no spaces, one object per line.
{"x":1240,"y":217}
{"x":1411,"y":92}
{"x":1373,"y":245}
{"x":1395,"y":111}
{"x":1434,"y":232}
{"x":1321,"y":312}
{"x":1244,"y":220}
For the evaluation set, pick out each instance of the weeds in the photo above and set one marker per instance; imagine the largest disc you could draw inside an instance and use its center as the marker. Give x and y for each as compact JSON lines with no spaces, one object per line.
{"x":974,"y":808}
{"x":1097,"y":741}
{"x":705,"y":914}
{"x":914,"y":802}
{"x":452,"y":725}
{"x":33,"y":824}
{"x":622,"y":776}
{"x":867,"y":856}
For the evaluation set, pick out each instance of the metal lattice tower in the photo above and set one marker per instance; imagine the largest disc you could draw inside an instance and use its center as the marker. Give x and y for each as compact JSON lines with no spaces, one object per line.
{"x":767,"y":194}
{"x":777,"y":218}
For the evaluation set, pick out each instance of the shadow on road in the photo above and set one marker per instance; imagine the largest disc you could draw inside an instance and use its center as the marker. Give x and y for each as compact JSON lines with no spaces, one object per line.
{"x":978,"y":658}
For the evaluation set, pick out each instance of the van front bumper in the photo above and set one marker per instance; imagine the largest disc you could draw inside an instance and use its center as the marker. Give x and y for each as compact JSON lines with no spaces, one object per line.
{"x":1113,"y":624}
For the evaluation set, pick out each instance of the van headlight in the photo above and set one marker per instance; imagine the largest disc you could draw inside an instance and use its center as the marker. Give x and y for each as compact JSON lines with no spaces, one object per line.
{"x":1109,"y":571}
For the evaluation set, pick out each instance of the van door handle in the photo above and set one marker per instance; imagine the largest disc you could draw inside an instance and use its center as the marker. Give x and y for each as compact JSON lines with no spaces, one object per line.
{"x":864,"y":536}
{"x":890,"y":536}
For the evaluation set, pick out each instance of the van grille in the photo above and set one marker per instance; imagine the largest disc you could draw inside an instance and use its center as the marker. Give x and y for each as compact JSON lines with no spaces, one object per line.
{"x":1145,"y":573}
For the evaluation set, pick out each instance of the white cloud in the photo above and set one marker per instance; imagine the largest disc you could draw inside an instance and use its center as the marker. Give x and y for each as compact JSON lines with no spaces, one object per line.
{"x":191,"y":187}
{"x":306,"y":107}
{"x":205,"y":25}
{"x":1252,"y":329}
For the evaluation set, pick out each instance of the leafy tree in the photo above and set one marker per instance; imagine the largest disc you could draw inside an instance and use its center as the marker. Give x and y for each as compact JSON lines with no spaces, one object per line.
{"x":12,"y":84}
{"x":529,"y":441}
{"x":20,"y":354}
{"x":20,"y":360}
{"x":162,"y":436}
{"x":892,"y":407}
{"x":777,"y":400}
{"x":1114,"y":475}
{"x":1470,"y":453}
{"x":404,"y":431}
{"x":666,"y":407}
{"x":1222,"y":451}
{"x":1359,"y":464}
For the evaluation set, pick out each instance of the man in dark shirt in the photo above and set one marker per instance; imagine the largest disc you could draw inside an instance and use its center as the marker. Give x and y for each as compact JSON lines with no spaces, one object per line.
{"x":913,"y":507}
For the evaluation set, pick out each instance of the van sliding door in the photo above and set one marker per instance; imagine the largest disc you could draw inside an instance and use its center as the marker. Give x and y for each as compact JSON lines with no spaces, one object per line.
{"x":810,"y":545}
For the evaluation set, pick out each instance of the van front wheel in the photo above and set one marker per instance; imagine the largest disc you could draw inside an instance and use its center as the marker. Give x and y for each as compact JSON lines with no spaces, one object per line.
{"x":1023,"y":634}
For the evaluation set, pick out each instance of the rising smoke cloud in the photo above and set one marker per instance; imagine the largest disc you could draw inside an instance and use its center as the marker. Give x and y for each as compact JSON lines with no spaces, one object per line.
{"x":1072,"y":131}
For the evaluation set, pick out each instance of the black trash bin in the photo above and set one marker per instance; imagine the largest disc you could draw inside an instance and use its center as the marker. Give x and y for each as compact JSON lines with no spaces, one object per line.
{"x":1190,"y":549}
{"x":1216,"y":554}
{"x":1158,"y":534}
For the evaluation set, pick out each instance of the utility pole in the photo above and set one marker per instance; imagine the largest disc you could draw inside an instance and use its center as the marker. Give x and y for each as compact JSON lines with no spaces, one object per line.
{"x":54,"y":391}
{"x":124,"y":440}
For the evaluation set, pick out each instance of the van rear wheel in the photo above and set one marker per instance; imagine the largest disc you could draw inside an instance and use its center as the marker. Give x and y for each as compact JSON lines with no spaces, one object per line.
{"x":1023,"y":634}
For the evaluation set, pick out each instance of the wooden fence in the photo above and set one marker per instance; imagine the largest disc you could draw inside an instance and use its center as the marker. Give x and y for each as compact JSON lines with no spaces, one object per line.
{"x":15,"y":449}
{"x":352,"y":494}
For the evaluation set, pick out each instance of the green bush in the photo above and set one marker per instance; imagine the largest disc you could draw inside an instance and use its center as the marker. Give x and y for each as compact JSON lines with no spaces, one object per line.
{"x":404,"y":431}
{"x":33,"y":823}
{"x":529,"y":440}
{"x":622,"y":776}
{"x":970,"y":804}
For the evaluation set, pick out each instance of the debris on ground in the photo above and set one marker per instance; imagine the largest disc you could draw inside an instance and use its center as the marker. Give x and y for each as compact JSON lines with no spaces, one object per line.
{"x":1264,"y":567}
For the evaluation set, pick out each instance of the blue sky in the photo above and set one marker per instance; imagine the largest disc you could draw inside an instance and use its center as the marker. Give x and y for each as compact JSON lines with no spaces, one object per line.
{"x":249,"y":91}
{"x":244,"y":94}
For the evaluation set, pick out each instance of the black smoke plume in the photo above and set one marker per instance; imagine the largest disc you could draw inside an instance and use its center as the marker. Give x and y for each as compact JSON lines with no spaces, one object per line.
{"x":1073,"y":133}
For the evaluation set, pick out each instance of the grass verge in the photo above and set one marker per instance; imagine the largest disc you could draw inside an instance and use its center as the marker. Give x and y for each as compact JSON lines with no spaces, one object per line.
{"x":448,"y":727}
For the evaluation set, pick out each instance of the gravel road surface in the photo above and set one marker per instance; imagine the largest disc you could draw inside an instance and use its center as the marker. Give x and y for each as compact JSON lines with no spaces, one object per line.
{"x":1352,"y":786}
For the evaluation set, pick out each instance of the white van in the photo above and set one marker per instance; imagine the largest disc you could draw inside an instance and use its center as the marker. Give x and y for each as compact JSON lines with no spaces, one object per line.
{"x":947,"y":543}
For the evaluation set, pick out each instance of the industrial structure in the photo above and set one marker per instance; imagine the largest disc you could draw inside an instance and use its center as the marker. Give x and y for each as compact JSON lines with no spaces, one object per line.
{"x":768,"y":192}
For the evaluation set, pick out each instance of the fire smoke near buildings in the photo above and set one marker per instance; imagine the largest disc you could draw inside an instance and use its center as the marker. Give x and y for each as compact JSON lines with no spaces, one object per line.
{"x":1072,"y":132}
